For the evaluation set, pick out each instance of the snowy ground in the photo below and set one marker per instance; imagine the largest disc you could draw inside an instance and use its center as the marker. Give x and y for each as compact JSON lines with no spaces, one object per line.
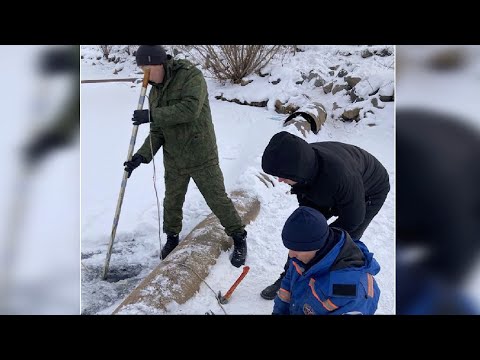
{"x":242,"y":134}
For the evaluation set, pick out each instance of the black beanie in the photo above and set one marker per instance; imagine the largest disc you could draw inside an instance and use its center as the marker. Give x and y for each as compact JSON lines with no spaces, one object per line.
{"x":151,"y":55}
{"x":305,"y":230}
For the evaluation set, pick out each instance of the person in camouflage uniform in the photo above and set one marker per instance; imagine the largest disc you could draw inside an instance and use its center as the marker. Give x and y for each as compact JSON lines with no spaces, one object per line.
{"x":181,"y":122}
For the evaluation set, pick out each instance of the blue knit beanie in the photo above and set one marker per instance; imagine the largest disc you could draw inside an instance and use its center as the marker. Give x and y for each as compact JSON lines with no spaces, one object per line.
{"x":305,"y":230}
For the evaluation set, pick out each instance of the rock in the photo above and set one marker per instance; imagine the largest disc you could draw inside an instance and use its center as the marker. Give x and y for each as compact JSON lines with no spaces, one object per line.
{"x":342,"y":73}
{"x":338,"y":88}
{"x":376,"y":104}
{"x":384,"y":52}
{"x":387,"y":98}
{"x":327,"y":88}
{"x":331,"y":73}
{"x":313,"y":75}
{"x":319,"y":82}
{"x":282,"y":109}
{"x":335,"y":106}
{"x":351,"y":114}
{"x":387,"y":93}
{"x":353,"y":96}
{"x":279,"y":107}
{"x":253,"y":103}
{"x":352,"y":81}
{"x":366,"y":53}
{"x":275,"y":82}
{"x":118,"y":68}
{"x":245,"y":82}
{"x":334,"y":67}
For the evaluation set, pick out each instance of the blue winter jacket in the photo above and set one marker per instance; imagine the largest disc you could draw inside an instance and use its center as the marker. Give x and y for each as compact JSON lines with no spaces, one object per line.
{"x":319,"y":291}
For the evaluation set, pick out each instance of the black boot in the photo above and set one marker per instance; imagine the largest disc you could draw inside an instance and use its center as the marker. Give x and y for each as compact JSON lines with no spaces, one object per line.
{"x":270,"y":292}
{"x":172,"y":242}
{"x":239,"y":253}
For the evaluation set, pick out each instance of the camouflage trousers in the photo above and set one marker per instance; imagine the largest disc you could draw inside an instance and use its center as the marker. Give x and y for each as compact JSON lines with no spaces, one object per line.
{"x":211,"y":184}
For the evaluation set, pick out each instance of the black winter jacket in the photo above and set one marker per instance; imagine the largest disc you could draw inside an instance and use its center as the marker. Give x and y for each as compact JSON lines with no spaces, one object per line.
{"x":335,"y":178}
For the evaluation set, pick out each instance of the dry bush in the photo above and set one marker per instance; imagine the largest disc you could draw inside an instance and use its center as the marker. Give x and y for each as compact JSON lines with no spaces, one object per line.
{"x":106,"y":49}
{"x":131,"y":49}
{"x":234,"y":62}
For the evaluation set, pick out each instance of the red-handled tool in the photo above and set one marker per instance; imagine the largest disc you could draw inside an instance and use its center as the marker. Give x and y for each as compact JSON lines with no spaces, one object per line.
{"x":224,"y":299}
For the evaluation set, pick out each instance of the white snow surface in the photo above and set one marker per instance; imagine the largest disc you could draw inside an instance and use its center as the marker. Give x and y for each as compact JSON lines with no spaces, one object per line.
{"x":242,"y":134}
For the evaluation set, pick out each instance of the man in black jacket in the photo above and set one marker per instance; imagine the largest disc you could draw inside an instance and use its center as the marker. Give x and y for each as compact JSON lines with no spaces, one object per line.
{"x":335,"y":178}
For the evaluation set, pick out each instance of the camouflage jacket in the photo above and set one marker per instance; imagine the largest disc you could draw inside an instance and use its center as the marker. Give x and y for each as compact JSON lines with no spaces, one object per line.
{"x":181,"y":120}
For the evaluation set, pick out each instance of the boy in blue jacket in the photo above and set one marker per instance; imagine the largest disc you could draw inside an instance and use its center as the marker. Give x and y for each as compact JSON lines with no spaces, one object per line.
{"x":329,"y":273}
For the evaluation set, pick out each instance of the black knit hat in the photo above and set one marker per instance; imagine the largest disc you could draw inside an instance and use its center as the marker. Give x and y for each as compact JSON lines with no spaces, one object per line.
{"x":151,"y":55}
{"x":305,"y":230}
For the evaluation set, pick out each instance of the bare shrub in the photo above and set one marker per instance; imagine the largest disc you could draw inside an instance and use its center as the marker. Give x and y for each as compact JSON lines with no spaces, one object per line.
{"x":234,"y":62}
{"x":131,"y":49}
{"x":106,"y":49}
